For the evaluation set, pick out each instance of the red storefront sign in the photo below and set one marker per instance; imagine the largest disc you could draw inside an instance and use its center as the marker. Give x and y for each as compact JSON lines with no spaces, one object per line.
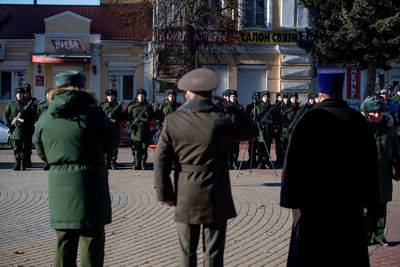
{"x":67,"y":45}
{"x":353,"y":87}
{"x":39,"y":81}
{"x":53,"y":59}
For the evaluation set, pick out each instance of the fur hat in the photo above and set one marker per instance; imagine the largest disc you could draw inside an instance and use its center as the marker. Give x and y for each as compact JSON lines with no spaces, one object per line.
{"x":71,"y":78}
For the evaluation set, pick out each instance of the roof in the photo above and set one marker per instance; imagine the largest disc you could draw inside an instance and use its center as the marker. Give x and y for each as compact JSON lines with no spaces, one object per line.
{"x":131,"y":22}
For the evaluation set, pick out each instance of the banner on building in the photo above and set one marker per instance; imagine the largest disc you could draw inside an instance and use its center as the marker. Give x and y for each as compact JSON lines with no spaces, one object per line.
{"x":224,"y":37}
{"x":353,"y":87}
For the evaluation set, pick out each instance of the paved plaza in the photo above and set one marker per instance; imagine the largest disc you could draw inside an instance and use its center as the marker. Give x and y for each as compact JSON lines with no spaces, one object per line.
{"x":143,"y":231}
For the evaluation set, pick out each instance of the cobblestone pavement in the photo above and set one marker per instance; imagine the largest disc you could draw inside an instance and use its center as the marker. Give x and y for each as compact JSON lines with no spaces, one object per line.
{"x":143,"y":231}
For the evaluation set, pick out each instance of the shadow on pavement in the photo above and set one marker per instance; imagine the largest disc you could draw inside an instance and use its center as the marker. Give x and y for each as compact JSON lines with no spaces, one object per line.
{"x":272,"y":184}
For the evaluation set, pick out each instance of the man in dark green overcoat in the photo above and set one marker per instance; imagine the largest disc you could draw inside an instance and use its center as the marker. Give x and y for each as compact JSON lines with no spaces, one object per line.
{"x":20,"y":129}
{"x":72,"y":136}
{"x":42,"y":107}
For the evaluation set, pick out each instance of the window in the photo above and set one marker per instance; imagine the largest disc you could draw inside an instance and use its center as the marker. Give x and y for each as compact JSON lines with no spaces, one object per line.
{"x":256,"y":13}
{"x":294,"y":15}
{"x":124,"y":83}
{"x":250,"y":78}
{"x":9,"y":81}
{"x":5,"y":83}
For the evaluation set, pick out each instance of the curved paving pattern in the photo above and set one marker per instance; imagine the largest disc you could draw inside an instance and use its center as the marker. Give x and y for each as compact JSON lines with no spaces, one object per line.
{"x":143,"y":231}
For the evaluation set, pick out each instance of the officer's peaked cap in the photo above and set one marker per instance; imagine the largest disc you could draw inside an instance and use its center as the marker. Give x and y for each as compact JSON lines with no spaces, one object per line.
{"x":199,"y":80}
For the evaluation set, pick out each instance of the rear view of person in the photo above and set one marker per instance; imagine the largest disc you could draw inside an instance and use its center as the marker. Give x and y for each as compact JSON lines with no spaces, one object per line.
{"x":72,"y":137}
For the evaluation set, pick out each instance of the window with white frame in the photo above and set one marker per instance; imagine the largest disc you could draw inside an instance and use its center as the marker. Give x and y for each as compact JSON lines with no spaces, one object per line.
{"x":124,"y":83}
{"x":9,"y":81}
{"x":293,"y":14}
{"x":256,"y":13}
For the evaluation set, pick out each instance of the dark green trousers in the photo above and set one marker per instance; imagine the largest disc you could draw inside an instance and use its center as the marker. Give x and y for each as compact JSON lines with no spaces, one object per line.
{"x":21,"y":148}
{"x":139,"y":149}
{"x":91,"y":247}
{"x":375,"y":221}
{"x":213,"y":236}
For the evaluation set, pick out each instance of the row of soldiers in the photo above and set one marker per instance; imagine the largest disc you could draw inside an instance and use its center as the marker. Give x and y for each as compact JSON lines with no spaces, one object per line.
{"x":274,"y":122}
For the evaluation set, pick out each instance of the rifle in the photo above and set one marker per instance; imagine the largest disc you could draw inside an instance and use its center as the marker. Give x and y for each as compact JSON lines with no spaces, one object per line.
{"x":294,"y":122}
{"x":129,"y":126}
{"x":21,"y":114}
{"x":112,"y":112}
{"x":265,"y":118}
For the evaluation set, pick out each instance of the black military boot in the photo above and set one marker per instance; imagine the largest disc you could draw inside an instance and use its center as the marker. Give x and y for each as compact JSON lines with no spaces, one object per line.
{"x":24,"y":164}
{"x":108,"y":164}
{"x":46,"y":166}
{"x":261,"y":164}
{"x":143,"y":164}
{"x":114,"y":165}
{"x":17,"y":165}
{"x":137,"y":165}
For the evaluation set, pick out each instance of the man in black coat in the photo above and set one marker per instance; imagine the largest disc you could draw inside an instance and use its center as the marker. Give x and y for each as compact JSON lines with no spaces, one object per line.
{"x":330,"y":184}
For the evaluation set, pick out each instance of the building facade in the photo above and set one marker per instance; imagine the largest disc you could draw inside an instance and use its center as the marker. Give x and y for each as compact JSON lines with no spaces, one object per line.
{"x":103,"y":42}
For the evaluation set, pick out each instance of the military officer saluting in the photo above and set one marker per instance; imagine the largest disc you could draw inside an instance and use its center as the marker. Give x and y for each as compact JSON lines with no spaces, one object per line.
{"x":15,"y":118}
{"x":199,"y":136}
{"x":113,"y":111}
{"x":140,"y":113}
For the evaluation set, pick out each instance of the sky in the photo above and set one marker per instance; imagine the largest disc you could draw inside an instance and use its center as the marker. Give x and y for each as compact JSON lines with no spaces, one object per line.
{"x":53,"y":2}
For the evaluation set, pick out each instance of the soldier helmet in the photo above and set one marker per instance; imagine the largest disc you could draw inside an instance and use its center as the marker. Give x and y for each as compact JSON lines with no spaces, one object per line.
{"x":233,"y":92}
{"x":372,"y":104}
{"x":141,"y":91}
{"x":384,"y":91}
{"x":27,"y":88}
{"x":266,"y":93}
{"x":199,"y":80}
{"x":226,"y":92}
{"x":19,"y":90}
{"x":111,"y":92}
{"x":170,"y":92}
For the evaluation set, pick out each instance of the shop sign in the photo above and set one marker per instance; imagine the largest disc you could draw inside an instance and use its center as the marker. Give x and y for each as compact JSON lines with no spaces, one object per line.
{"x":269,"y":37}
{"x":353,"y":87}
{"x":50,"y":59}
{"x":39,"y":81}
{"x":224,"y":37}
{"x":67,"y":45}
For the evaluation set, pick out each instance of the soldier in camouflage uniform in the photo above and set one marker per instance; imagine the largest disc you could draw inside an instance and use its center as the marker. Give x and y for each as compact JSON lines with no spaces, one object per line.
{"x":30,"y":121}
{"x":234,"y":153}
{"x":141,"y":132}
{"x":42,"y":107}
{"x":277,"y":129}
{"x":255,"y":99}
{"x":113,"y":111}
{"x":20,"y":131}
{"x":264,"y":139}
{"x":289,"y":111}
{"x":168,"y":106}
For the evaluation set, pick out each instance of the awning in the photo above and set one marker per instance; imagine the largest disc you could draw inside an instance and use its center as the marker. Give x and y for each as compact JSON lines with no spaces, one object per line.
{"x":58,"y":58}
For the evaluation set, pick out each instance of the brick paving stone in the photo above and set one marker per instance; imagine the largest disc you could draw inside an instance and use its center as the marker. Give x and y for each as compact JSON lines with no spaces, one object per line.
{"x":143,"y":231}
